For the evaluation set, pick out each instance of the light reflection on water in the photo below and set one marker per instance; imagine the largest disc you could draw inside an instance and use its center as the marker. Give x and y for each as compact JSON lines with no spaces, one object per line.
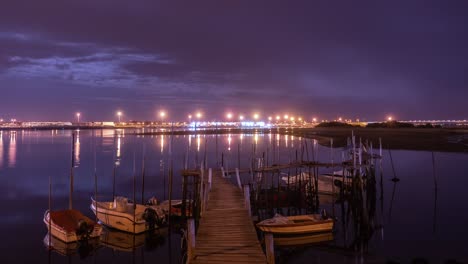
{"x":1,"y":149}
{"x":33,"y":156}
{"x":12,"y":150}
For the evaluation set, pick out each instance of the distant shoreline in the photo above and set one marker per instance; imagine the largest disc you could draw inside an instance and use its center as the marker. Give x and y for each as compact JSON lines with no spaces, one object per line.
{"x":426,"y":139}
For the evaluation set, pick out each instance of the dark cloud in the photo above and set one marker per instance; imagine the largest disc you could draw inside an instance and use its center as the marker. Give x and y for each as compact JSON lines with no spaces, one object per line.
{"x":362,"y":59}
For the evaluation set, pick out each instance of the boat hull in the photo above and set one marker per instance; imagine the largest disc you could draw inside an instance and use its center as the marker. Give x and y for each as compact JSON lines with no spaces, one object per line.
{"x":125,"y":221}
{"x":301,"y":229}
{"x":59,"y":232}
{"x":295,"y":225}
{"x":300,"y":240}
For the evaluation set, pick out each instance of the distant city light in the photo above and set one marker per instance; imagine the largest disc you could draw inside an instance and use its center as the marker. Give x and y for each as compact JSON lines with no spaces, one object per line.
{"x":286,"y":116}
{"x":229,"y":115}
{"x":78,"y":116}
{"x":314,"y":119}
{"x":119,"y":114}
{"x":270,"y":118}
{"x":390,"y":118}
{"x":292,"y":118}
{"x":300,"y":118}
{"x":278,"y":117}
{"x":241,"y":117}
{"x":340,"y":119}
{"x":190,"y":116}
{"x":199,"y":115}
{"x":255,"y":116}
{"x":162,"y":114}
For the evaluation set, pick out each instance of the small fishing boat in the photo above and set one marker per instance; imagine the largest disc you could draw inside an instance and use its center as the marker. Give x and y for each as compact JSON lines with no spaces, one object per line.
{"x":71,"y":225}
{"x":328,"y":183}
{"x":176,"y":207}
{"x":125,"y":216}
{"x":298,"y":224}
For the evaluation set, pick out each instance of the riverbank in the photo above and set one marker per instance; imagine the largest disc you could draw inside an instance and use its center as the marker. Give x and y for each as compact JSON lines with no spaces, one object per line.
{"x":433,"y":139}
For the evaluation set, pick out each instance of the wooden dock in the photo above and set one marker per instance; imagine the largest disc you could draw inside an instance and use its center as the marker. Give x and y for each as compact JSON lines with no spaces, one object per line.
{"x":226,"y":233}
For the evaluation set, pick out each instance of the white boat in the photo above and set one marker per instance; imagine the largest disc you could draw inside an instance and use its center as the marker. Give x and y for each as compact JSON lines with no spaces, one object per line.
{"x":329,"y":183}
{"x":71,"y":225}
{"x":176,"y":207}
{"x":125,"y":216}
{"x":295,"y":225}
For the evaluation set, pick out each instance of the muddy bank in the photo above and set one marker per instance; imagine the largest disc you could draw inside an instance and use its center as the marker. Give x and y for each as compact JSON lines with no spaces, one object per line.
{"x":434,"y":139}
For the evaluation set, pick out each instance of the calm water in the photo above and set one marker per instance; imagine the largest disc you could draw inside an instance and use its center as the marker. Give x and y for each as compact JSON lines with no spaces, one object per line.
{"x":414,"y":224}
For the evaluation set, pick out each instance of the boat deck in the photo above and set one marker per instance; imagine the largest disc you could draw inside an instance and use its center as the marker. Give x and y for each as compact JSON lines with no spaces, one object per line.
{"x":226,"y":233}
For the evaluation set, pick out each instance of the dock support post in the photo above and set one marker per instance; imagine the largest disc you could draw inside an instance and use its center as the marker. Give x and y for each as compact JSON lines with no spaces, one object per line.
{"x":190,"y":238}
{"x":210,"y":177}
{"x":269,"y":248}
{"x":202,"y":189}
{"x":247,"y":198}
{"x":238,"y":179}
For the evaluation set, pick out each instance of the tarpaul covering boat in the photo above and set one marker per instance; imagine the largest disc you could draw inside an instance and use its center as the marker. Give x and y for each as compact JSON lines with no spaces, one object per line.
{"x":71,"y":225}
{"x":123,"y":215}
{"x":298,"y":224}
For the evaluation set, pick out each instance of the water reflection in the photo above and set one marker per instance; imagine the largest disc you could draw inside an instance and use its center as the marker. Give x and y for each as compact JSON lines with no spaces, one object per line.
{"x":118,"y":154}
{"x":12,"y":150}
{"x":77,"y":149}
{"x":350,"y":234}
{"x":1,"y":149}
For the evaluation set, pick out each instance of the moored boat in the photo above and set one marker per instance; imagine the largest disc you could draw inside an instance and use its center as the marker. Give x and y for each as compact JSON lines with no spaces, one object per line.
{"x":125,"y":216}
{"x":71,"y":225}
{"x":297,"y":224}
{"x":329,"y":183}
{"x":176,"y":207}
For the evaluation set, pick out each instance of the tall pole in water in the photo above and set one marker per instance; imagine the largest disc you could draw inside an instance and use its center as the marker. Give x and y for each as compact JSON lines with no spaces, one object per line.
{"x":70,"y":198}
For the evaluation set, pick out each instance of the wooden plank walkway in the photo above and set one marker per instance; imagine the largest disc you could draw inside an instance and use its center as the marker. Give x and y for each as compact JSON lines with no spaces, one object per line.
{"x":226,"y":233}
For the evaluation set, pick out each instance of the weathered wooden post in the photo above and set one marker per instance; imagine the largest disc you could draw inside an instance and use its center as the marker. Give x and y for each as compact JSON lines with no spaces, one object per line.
{"x":210,"y":177}
{"x":247,"y":198}
{"x":238,"y":179}
{"x":190,"y":239}
{"x":202,"y":190}
{"x":269,"y":248}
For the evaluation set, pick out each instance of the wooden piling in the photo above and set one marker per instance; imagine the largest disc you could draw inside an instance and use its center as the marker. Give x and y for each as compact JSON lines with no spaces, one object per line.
{"x":210,"y":177}
{"x":270,"y":248}
{"x":247,"y":198}
{"x":238,"y":179}
{"x":190,"y":239}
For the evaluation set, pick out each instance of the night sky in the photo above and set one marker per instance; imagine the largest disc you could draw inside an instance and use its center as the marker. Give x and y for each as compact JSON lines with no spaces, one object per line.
{"x":355,"y":59}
